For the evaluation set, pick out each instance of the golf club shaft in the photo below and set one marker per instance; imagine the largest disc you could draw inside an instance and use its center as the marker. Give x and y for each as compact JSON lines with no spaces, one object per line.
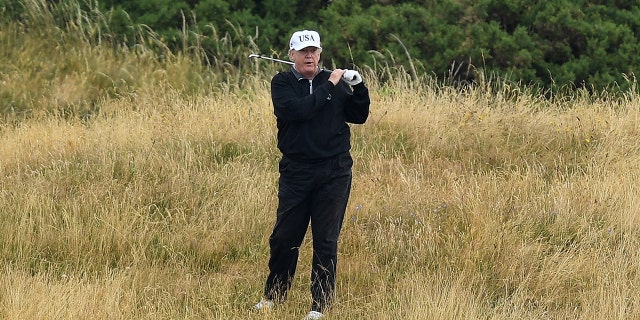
{"x":278,"y":60}
{"x":268,"y":58}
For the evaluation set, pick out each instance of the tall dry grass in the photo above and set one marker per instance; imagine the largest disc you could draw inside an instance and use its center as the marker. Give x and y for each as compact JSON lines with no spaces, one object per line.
{"x":157,"y":202}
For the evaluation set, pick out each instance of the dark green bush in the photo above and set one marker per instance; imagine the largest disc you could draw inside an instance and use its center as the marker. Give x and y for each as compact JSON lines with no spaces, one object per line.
{"x":590,"y":44}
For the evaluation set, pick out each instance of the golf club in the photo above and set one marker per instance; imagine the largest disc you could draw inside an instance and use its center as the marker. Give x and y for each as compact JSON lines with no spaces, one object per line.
{"x":272,"y":59}
{"x":282,"y":61}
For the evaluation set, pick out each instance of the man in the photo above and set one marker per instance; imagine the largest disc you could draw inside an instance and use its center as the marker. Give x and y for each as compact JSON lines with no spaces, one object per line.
{"x":312,"y":108}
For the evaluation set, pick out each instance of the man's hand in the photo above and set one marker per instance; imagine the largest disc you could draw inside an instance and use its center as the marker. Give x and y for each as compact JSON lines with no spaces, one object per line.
{"x":352,"y":77}
{"x":336,"y":75}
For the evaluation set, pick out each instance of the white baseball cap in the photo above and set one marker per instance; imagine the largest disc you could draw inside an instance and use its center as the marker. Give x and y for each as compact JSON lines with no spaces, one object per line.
{"x":303,"y":39}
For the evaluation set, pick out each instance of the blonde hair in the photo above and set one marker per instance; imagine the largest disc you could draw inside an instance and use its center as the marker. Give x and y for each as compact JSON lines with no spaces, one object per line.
{"x":318,"y":51}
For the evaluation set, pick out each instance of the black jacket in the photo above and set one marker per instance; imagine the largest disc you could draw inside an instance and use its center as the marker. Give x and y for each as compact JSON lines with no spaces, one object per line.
{"x":313,"y":126}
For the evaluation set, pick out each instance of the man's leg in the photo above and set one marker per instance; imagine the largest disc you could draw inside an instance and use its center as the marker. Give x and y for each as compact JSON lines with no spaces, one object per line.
{"x":327,"y":214}
{"x":288,"y":233}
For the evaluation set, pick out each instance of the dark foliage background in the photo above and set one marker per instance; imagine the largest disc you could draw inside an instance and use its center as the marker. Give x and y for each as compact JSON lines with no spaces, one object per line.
{"x":592,"y":44}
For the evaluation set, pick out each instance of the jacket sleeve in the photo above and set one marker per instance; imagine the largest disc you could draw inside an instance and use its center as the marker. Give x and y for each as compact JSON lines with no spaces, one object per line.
{"x":357,"y":111}
{"x":292,"y":103}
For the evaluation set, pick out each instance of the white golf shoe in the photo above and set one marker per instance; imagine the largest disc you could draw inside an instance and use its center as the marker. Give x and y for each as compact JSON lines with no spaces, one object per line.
{"x":314,"y":315}
{"x":264,"y":305}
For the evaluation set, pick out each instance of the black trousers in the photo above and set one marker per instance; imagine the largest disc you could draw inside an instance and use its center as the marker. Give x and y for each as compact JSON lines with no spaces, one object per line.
{"x":316,"y":193}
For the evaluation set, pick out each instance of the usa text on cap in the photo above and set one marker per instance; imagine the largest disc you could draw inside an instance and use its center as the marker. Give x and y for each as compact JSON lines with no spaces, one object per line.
{"x":303,"y":39}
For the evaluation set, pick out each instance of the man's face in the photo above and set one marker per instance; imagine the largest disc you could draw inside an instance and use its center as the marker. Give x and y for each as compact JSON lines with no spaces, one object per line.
{"x":306,"y":61}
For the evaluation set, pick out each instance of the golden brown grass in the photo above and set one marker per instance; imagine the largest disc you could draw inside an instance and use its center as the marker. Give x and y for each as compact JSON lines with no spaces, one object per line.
{"x":464,"y":206}
{"x":156,"y":200}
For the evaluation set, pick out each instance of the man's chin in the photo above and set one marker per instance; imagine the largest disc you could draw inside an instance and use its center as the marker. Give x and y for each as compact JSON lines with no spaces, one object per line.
{"x":308,"y":71}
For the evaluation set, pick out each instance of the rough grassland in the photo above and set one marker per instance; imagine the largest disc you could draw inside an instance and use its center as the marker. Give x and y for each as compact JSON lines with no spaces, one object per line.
{"x":464,"y":206}
{"x":133,"y":187}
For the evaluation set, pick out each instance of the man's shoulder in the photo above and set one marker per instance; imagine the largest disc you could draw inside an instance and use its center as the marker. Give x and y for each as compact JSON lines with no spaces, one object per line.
{"x":283,"y":75}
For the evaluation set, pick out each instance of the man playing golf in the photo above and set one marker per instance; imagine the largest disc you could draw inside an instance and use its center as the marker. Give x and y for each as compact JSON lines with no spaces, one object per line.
{"x":313,"y":108}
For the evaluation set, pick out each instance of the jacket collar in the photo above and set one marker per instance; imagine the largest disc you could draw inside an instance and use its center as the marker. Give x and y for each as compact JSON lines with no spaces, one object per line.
{"x":299,"y":76}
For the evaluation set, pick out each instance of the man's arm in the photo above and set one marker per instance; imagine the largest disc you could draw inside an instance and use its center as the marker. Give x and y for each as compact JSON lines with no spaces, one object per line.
{"x":289,"y":105}
{"x":357,"y":111}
